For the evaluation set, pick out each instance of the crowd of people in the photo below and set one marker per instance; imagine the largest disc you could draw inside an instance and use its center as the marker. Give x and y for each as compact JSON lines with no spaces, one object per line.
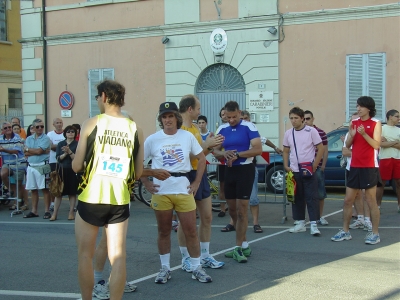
{"x":108,"y":153}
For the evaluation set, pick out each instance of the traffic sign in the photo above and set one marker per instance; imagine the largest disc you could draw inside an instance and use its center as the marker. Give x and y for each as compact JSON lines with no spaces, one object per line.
{"x":66,"y":100}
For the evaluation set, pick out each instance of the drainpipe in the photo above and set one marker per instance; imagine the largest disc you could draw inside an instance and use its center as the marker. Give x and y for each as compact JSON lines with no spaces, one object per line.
{"x":44,"y":62}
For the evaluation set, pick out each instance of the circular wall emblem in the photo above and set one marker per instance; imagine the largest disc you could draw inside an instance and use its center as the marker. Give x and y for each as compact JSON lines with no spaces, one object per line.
{"x":218,"y":41}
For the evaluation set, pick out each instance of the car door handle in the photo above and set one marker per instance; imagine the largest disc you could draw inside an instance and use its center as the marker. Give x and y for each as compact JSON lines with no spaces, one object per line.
{"x":339,"y":156}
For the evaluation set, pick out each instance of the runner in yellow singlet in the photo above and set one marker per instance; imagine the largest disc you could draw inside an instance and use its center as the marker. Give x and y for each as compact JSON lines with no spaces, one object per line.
{"x":110,"y":153}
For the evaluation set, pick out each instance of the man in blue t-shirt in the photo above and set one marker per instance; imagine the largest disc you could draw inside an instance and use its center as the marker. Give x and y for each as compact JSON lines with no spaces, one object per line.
{"x":242,"y":143}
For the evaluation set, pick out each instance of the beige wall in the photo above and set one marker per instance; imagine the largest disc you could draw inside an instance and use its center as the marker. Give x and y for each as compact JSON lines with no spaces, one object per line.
{"x":208,"y":12}
{"x":98,"y":18}
{"x":138,"y":64}
{"x":310,"y":5}
{"x":312,"y":65}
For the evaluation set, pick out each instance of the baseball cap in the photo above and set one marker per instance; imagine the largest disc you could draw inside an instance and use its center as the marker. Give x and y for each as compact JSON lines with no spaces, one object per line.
{"x":168,"y":107}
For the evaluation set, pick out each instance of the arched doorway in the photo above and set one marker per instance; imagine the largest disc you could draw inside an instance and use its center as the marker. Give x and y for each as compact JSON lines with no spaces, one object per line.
{"x":216,"y":85}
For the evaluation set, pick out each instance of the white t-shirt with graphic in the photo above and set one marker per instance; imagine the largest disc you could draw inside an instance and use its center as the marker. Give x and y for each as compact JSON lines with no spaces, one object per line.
{"x":172,"y":153}
{"x":55,"y":138}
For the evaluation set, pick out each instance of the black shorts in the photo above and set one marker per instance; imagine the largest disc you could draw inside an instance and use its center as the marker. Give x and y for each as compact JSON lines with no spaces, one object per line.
{"x":221,"y":173}
{"x":239,"y":181}
{"x":102,"y":214}
{"x":203,"y":191}
{"x":363,"y":178}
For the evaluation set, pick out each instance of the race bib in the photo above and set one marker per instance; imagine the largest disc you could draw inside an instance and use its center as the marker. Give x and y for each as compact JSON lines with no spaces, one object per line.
{"x":113,"y":166}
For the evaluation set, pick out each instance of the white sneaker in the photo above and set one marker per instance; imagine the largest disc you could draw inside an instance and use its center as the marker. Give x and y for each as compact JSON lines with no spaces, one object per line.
{"x":314,"y":230}
{"x":357,"y":224}
{"x":323,"y":222}
{"x":368,"y":226}
{"x":300,"y":227}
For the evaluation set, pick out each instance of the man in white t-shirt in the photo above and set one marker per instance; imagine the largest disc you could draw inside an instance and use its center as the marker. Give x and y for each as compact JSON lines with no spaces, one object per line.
{"x":300,"y":144}
{"x":55,"y":137}
{"x":170,"y":149}
{"x":389,"y":156}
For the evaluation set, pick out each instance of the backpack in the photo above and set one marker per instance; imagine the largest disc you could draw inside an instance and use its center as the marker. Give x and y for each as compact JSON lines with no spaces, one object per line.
{"x":56,"y":185}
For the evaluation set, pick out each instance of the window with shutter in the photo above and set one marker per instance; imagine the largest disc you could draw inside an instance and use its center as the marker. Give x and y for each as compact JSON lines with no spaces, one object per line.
{"x":3,"y":20}
{"x":95,"y":77}
{"x":366,"y":76}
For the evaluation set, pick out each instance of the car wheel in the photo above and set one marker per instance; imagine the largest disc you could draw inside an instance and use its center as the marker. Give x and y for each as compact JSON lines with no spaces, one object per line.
{"x":274,"y":179}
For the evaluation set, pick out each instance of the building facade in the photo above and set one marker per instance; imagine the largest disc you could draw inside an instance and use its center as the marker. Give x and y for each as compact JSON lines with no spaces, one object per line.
{"x":267,"y":55}
{"x":10,"y":60}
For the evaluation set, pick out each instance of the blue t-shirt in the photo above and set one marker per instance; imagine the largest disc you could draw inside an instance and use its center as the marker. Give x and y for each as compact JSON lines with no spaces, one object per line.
{"x":204,"y":135}
{"x":238,"y":138}
{"x":14,"y":143}
{"x":41,"y":141}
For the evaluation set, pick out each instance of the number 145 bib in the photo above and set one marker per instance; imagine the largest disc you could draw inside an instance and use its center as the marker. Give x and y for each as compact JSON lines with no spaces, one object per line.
{"x":114,"y":166}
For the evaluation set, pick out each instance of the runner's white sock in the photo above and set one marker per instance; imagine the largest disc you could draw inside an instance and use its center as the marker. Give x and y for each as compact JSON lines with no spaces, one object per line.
{"x":205,"y":249}
{"x":245,"y":245}
{"x":195,"y":262}
{"x":367,"y":219}
{"x":98,"y":276}
{"x":360,"y":217}
{"x":184,"y":252}
{"x":165,"y":260}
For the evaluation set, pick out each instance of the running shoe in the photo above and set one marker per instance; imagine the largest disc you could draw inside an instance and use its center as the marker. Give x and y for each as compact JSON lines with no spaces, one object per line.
{"x":129,"y":288}
{"x":51,"y":208}
{"x":372,"y":239}
{"x":187,"y":265}
{"x":210,"y":262}
{"x":341,"y":236}
{"x":323,"y":222}
{"x":201,"y":275}
{"x":101,"y":291}
{"x":314,"y":230}
{"x":246,"y":252}
{"x":174,"y":225}
{"x":357,"y":224}
{"x":238,"y":255}
{"x":368,"y":226}
{"x":300,"y":227}
{"x":163,"y":276}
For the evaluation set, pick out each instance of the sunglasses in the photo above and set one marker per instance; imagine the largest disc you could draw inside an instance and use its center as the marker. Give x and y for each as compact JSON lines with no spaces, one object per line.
{"x":7,"y":127}
{"x":307,"y":118}
{"x":39,"y":126}
{"x":71,"y":131}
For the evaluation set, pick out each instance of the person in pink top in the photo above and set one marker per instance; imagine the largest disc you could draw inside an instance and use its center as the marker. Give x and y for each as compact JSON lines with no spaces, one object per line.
{"x":304,"y":140}
{"x":365,"y":139}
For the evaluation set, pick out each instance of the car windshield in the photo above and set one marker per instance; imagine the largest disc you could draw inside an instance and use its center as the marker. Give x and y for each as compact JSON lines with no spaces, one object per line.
{"x":334,"y":141}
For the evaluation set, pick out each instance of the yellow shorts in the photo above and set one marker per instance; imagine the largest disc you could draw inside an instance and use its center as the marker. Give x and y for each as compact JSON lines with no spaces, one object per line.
{"x":179,"y":202}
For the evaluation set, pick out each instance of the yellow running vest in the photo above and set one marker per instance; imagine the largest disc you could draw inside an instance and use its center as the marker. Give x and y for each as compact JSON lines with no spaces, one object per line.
{"x":109,"y":174}
{"x":196,"y":132}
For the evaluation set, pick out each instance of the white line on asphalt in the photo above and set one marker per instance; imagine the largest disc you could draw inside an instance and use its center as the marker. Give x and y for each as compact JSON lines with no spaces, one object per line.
{"x":39,"y":294}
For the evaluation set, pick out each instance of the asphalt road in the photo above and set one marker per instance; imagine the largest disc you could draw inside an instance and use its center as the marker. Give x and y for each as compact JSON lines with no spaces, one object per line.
{"x":39,"y":258}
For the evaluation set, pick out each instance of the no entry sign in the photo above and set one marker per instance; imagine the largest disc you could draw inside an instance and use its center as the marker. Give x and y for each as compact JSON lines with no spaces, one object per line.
{"x":66,"y":100}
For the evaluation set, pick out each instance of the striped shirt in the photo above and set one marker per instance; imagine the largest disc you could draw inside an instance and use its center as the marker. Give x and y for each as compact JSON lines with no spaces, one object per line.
{"x":324,"y":139}
{"x":14,"y":143}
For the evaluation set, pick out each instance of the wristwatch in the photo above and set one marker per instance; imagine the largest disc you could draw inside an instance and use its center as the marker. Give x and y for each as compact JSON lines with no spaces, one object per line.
{"x":237,"y":154}
{"x":26,"y":149}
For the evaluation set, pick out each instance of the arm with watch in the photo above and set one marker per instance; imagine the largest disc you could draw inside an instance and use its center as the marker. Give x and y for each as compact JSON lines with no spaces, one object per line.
{"x":255,"y":149}
{"x":211,"y":142}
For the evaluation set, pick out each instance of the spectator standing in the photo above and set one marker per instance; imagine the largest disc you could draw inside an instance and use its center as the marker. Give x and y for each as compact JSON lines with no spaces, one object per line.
{"x":320,"y":172}
{"x":389,"y":156}
{"x":364,"y":138}
{"x":202,"y":123}
{"x":36,"y":149}
{"x":242,"y":143}
{"x":65,"y":153}
{"x":55,"y":136}
{"x":17,"y":121}
{"x":17,"y":130}
{"x":304,"y":140}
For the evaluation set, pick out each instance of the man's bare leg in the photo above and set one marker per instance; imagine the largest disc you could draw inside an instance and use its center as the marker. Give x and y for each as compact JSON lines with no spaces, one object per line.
{"x":85,"y":235}
{"x":116,"y":246}
{"x":164,"y":222}
{"x":379,"y":193}
{"x":238,"y":210}
{"x":35,"y":201}
{"x":347,"y":207}
{"x":188,"y":223}
{"x":255,"y":209}
{"x":370,"y":197}
{"x":100,"y":255}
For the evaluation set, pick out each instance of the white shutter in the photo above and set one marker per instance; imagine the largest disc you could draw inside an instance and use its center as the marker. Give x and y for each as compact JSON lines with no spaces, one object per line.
{"x":95,"y":77}
{"x":376,"y":82}
{"x":366,"y":76}
{"x":354,"y":82}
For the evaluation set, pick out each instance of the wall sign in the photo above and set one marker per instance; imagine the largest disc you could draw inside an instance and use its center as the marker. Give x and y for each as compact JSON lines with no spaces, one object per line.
{"x":218,"y":41}
{"x":66,"y":100}
{"x":261,"y":101}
